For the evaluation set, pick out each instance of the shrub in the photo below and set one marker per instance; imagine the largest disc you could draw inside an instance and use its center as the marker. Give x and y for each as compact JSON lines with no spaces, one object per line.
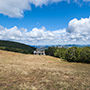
{"x":60,"y":52}
{"x":72,"y":54}
{"x":50,"y":51}
{"x":85,"y":55}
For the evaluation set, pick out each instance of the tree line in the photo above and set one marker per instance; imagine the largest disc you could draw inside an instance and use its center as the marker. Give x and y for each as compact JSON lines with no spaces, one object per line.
{"x":16,"y":47}
{"x":72,"y":54}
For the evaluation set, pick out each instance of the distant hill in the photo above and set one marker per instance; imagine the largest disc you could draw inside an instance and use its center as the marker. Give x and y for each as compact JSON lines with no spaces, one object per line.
{"x":66,"y":46}
{"x":16,"y":47}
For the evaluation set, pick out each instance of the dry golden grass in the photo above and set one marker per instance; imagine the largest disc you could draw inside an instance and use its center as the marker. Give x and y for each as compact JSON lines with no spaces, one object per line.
{"x":33,"y":72}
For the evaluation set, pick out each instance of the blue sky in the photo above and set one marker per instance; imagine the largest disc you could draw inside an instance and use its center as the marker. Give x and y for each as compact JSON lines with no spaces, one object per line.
{"x":40,"y":18}
{"x":53,"y":16}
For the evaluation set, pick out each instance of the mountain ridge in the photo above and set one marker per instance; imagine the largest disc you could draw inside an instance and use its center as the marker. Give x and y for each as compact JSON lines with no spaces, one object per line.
{"x":16,"y":47}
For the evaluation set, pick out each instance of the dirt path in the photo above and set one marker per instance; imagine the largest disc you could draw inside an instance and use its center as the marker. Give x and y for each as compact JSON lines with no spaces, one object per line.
{"x":33,"y":72}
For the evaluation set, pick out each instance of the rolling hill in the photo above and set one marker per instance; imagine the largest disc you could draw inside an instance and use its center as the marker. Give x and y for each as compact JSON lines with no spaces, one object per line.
{"x":16,"y":47}
{"x":37,"y":72}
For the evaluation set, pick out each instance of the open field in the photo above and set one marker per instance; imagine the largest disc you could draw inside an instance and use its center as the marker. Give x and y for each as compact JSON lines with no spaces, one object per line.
{"x":30,"y":72}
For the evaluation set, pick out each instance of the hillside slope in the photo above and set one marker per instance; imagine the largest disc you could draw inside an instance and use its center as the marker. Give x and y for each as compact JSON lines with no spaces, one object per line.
{"x":16,"y":47}
{"x":33,"y":72}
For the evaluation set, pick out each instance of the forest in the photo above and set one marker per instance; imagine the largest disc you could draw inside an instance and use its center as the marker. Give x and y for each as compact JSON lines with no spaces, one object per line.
{"x":72,"y":54}
{"x":16,"y":47}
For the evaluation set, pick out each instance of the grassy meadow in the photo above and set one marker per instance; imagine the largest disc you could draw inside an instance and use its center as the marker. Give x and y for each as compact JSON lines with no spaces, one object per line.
{"x":34,"y":72}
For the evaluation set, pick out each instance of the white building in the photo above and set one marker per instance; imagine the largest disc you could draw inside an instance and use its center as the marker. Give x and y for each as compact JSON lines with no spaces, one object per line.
{"x":39,"y":52}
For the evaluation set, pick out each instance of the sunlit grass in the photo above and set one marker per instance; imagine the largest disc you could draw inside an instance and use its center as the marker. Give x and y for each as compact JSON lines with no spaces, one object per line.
{"x":33,"y":72}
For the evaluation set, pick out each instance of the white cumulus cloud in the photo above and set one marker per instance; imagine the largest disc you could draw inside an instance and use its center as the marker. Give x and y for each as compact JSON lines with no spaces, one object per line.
{"x":16,"y":8}
{"x":79,"y":26}
{"x":77,"y":32}
{"x":80,"y":29}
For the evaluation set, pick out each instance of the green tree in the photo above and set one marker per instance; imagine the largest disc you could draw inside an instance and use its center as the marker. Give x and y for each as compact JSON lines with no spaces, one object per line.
{"x":85,"y":55}
{"x":60,"y":52}
{"x":72,"y":54}
{"x":50,"y":51}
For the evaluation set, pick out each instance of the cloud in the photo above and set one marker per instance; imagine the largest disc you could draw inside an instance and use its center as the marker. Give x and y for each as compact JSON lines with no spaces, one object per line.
{"x":16,"y":8}
{"x":79,"y":26}
{"x":77,"y":32}
{"x":79,"y":29}
{"x":35,"y":36}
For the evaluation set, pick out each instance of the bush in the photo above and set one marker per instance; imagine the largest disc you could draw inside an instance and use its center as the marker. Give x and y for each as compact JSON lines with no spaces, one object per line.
{"x":85,"y":55}
{"x":60,"y":52}
{"x":72,"y":54}
{"x":50,"y":51}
